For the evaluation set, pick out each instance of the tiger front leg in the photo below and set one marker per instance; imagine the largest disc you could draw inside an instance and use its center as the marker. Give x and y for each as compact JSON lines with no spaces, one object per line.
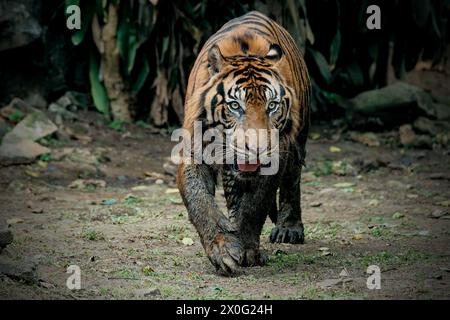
{"x":218,"y":236}
{"x":247,"y":211}
{"x":289,"y":225}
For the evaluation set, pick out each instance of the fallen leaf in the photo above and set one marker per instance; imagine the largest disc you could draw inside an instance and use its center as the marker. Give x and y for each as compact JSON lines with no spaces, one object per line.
{"x":32,"y":174}
{"x":141,"y":188}
{"x":344,"y":185}
{"x":14,"y":221}
{"x":314,"y":136}
{"x":42,"y":164}
{"x":187,"y":241}
{"x":398,"y":215}
{"x":171,"y":190}
{"x":444,"y":203}
{"x":334,"y":149}
{"x":357,"y":236}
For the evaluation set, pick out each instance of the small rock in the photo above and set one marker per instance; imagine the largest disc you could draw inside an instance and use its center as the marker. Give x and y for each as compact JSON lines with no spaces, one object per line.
{"x":16,"y":105}
{"x":61,"y":111}
{"x":108,"y":202}
{"x":170,"y":168}
{"x":369,"y":164}
{"x":409,"y":139}
{"x":37,"y":210}
{"x":439,"y":213}
{"x":425,"y":125}
{"x":147,"y":292}
{"x":86,"y":183}
{"x":369,"y":139}
{"x":6,"y":238}
{"x":35,"y":99}
{"x":442,"y":111}
{"x":316,"y":204}
{"x":159,"y":181}
{"x":26,"y":271}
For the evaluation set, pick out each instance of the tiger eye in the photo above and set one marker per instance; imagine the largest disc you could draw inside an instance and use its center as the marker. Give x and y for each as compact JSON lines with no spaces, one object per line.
{"x":234,"y":105}
{"x":273,"y":105}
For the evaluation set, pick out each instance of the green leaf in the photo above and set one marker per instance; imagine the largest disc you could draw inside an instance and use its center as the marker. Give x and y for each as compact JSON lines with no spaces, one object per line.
{"x":335,"y":48}
{"x":98,"y":91}
{"x":86,"y":19}
{"x":321,"y":64}
{"x":143,"y":74}
{"x":133,"y":45}
{"x":122,"y":37}
{"x":356,"y":75}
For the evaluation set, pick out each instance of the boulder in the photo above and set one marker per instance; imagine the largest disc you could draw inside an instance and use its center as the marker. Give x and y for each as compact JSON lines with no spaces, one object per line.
{"x":19,"y":146}
{"x":19,"y":25}
{"x":33,"y":127}
{"x":389,"y":106}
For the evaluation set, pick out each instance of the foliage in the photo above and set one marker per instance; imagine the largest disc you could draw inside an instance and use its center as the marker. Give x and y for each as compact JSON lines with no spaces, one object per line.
{"x":158,"y":42}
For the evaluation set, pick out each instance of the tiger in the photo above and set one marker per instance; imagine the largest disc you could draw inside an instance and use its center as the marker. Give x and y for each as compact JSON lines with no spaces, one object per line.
{"x":249,"y":74}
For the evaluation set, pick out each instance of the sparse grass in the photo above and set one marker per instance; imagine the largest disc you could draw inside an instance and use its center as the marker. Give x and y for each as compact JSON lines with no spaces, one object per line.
{"x":313,"y":293}
{"x":125,"y":273}
{"x":321,"y":231}
{"x":284,"y":260}
{"x":387,"y":259}
{"x":92,"y":235}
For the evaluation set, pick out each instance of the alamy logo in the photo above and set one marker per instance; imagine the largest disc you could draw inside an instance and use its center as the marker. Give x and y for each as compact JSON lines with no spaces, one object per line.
{"x":374,"y":20}
{"x":74,"y":17}
{"x":374,"y":280}
{"x":249,"y":149}
{"x":74,"y":280}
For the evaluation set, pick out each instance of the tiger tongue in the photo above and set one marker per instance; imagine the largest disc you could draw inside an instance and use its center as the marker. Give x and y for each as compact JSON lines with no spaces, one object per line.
{"x":247,"y":167}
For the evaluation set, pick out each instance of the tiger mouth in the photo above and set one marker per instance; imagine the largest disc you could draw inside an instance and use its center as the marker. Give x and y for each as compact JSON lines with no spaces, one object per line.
{"x":247,"y":167}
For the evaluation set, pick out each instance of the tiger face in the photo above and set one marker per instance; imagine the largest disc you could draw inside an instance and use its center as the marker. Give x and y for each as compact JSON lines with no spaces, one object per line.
{"x":249,"y":96}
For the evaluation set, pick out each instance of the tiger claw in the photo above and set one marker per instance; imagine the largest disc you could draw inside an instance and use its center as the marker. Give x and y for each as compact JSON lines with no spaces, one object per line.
{"x":293,"y":235}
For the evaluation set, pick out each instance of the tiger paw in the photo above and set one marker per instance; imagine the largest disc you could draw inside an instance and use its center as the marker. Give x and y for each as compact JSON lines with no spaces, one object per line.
{"x":291,"y":234}
{"x":254,"y":257}
{"x":226,"y":253}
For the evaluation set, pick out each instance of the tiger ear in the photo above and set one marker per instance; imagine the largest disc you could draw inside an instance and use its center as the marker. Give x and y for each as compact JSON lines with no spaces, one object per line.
{"x":215,"y":60}
{"x":275,"y":53}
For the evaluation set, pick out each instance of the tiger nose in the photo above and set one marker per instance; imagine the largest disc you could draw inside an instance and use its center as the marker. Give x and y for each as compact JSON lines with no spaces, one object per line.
{"x":255,"y":148}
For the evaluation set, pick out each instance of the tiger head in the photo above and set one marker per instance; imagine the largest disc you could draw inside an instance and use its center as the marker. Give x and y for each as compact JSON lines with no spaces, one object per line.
{"x":249,"y":88}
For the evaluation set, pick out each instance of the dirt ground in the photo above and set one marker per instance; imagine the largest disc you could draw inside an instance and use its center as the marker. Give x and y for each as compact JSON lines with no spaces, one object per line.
{"x":361,"y":206}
